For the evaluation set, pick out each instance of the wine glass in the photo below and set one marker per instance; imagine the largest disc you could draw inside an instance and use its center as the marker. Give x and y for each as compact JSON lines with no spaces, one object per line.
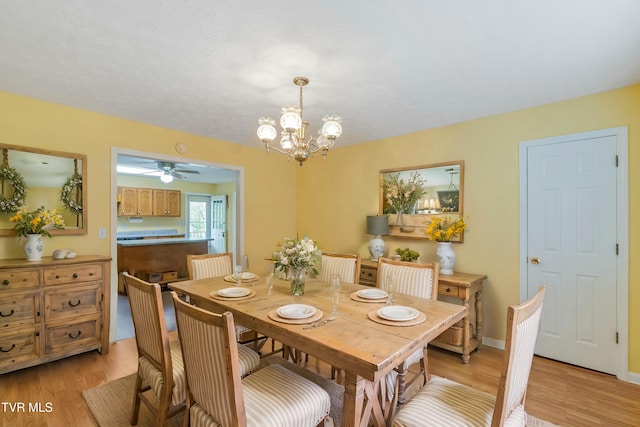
{"x":237,"y":274}
{"x":389,"y":285}
{"x":335,"y":293}
{"x":269,"y":273}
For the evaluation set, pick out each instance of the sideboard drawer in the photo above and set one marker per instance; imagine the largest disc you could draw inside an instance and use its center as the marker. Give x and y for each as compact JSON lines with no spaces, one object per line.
{"x":12,"y":280}
{"x":18,"y":310}
{"x":73,"y":301}
{"x":68,"y":337}
{"x":452,"y":291}
{"x":19,"y":346}
{"x":72,"y":274}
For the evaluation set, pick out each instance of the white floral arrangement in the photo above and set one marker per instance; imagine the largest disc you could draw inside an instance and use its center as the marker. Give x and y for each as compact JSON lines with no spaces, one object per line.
{"x":297,"y":254}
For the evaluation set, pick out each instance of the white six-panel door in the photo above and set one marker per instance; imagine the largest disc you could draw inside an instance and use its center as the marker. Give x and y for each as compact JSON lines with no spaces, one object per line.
{"x":571,"y":235}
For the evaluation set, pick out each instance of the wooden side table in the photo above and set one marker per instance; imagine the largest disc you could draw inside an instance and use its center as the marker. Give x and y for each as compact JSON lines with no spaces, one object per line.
{"x":463,"y":286}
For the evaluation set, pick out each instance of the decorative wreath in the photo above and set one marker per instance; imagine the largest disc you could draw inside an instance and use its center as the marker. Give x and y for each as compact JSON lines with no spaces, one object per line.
{"x":68,"y":193}
{"x":13,"y":204}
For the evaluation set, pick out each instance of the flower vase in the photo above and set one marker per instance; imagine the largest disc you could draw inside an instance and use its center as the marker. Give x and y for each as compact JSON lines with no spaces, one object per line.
{"x":400,"y":219}
{"x":33,"y":247}
{"x":447,"y":257}
{"x":298,"y":277}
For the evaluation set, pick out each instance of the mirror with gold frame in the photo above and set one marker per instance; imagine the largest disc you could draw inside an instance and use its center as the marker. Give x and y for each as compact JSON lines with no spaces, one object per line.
{"x":442,"y":194}
{"x":54,"y":179}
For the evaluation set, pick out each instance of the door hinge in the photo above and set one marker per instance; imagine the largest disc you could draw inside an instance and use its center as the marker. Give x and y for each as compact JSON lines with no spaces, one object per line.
{"x":617,"y":249}
{"x":616,"y":338}
{"x":616,"y":160}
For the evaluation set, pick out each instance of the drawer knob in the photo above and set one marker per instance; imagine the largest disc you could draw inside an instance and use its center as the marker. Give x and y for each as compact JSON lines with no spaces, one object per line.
{"x":73,"y":304}
{"x":447,"y":290}
{"x":75,"y":336}
{"x":10,"y":348}
{"x":75,"y":275}
{"x":6,"y":282}
{"x":7,"y":315}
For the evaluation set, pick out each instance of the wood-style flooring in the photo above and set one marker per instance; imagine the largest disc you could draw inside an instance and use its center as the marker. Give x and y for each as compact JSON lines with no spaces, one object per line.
{"x":563,"y":394}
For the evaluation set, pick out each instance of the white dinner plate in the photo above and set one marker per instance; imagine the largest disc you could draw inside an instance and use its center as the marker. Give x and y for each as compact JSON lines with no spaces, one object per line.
{"x":247,"y":275}
{"x":296,"y":311}
{"x":234,"y":292}
{"x":372,"y":293}
{"x":398,"y":313}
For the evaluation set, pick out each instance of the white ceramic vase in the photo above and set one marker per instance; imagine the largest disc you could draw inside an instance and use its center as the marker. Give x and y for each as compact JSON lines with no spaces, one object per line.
{"x":33,"y":247}
{"x":447,"y":257}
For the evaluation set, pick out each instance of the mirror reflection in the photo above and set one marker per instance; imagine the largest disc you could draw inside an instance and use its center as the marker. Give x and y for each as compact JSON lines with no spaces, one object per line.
{"x":410,"y":195}
{"x":51,"y":179}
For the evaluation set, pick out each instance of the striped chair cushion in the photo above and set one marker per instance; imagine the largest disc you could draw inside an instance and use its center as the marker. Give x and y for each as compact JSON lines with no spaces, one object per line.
{"x":275,"y":397}
{"x":211,"y":267}
{"x":446,"y":403}
{"x":345,"y":267}
{"x":411,"y":281}
{"x":153,"y":376}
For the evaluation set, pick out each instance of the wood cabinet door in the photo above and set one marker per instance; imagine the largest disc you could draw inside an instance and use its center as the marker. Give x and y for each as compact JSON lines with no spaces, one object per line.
{"x":128,"y":201}
{"x":159,"y":202}
{"x":145,"y":201}
{"x":173,"y":202}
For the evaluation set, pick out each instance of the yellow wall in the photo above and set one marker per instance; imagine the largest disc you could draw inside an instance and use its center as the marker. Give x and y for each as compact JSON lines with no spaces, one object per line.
{"x":329,"y":199}
{"x":335,"y":195}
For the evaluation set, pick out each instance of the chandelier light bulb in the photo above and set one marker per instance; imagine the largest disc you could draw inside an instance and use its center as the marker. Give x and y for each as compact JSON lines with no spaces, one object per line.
{"x":290,"y":119}
{"x":285,"y":143}
{"x":267,"y":130}
{"x":332,"y":127}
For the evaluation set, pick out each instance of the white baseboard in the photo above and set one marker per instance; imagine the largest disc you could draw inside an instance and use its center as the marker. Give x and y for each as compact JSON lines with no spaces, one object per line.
{"x":632,"y":377}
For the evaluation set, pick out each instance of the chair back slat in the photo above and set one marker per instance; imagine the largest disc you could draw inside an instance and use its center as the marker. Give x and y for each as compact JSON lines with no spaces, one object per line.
{"x":347,"y":266}
{"x":209,"y":265}
{"x":216,"y":387}
{"x":416,"y":279}
{"x":523,"y":322}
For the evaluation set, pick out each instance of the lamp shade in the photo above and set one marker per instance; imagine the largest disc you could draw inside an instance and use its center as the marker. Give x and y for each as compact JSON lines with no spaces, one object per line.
{"x":378,"y":225}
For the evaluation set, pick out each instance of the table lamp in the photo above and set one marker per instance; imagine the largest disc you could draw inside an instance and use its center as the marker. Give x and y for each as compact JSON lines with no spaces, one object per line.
{"x":377,"y":225}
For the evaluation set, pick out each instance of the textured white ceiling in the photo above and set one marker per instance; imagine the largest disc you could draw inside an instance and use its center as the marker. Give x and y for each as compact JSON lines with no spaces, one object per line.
{"x":387,"y":67}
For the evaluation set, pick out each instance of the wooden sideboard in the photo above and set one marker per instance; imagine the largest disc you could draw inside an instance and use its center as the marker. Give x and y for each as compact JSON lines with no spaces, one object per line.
{"x":463,"y":286}
{"x":52,"y":309}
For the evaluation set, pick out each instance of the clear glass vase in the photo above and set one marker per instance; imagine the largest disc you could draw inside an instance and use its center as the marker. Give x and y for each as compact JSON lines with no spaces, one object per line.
{"x":297,"y":279}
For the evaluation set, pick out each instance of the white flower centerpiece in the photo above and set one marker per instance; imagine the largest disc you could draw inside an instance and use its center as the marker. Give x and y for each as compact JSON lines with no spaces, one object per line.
{"x":296,"y":258}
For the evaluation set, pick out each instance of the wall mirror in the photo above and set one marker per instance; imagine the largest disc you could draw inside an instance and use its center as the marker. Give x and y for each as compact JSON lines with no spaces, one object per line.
{"x":53,"y":179}
{"x":412,"y":195}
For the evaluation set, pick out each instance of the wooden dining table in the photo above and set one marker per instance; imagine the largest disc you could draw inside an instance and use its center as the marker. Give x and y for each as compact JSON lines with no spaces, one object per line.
{"x":365,"y":349}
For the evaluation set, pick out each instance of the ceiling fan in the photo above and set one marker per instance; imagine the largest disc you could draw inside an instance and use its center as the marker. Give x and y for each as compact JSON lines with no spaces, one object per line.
{"x":169,"y":169}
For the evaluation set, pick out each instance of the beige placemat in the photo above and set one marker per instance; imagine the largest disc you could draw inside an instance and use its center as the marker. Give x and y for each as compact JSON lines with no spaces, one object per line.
{"x":215,"y":295}
{"x":373,"y":315}
{"x":273,"y":315}
{"x":356,"y":297}
{"x":230,"y":279}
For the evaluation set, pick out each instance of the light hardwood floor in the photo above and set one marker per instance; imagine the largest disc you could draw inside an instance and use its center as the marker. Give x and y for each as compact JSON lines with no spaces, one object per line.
{"x":560,"y":393}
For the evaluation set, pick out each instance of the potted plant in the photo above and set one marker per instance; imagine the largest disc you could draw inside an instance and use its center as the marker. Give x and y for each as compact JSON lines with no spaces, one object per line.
{"x":407,"y":254}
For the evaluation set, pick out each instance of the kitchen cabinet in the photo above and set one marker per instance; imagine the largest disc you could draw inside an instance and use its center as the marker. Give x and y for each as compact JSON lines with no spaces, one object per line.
{"x":135,"y":201}
{"x":166,"y":202}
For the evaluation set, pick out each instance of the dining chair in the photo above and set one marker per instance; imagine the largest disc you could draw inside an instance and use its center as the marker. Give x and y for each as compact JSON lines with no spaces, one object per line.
{"x":218,"y":265}
{"x":160,"y":365}
{"x":419,"y":280}
{"x":216,"y":395}
{"x":443,"y":402}
{"x":347,"y":266}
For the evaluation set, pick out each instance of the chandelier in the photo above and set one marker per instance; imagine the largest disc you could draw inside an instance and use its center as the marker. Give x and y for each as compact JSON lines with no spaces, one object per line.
{"x":294,"y":141}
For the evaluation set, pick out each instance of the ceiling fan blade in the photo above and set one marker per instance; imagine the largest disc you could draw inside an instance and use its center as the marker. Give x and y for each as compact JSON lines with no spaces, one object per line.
{"x":177,"y":175}
{"x":186,"y":171}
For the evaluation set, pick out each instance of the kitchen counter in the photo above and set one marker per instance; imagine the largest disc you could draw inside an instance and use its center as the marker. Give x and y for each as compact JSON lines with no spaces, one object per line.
{"x":157,"y":260}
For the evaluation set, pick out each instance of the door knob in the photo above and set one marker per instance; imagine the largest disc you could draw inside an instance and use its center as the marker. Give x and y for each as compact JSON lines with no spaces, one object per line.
{"x":535,"y":260}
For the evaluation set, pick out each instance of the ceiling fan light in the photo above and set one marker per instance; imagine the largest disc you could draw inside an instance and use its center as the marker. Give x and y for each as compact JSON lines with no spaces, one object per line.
{"x":267,"y":130}
{"x":166,"y":177}
{"x":332,"y":127}
{"x":291,"y":121}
